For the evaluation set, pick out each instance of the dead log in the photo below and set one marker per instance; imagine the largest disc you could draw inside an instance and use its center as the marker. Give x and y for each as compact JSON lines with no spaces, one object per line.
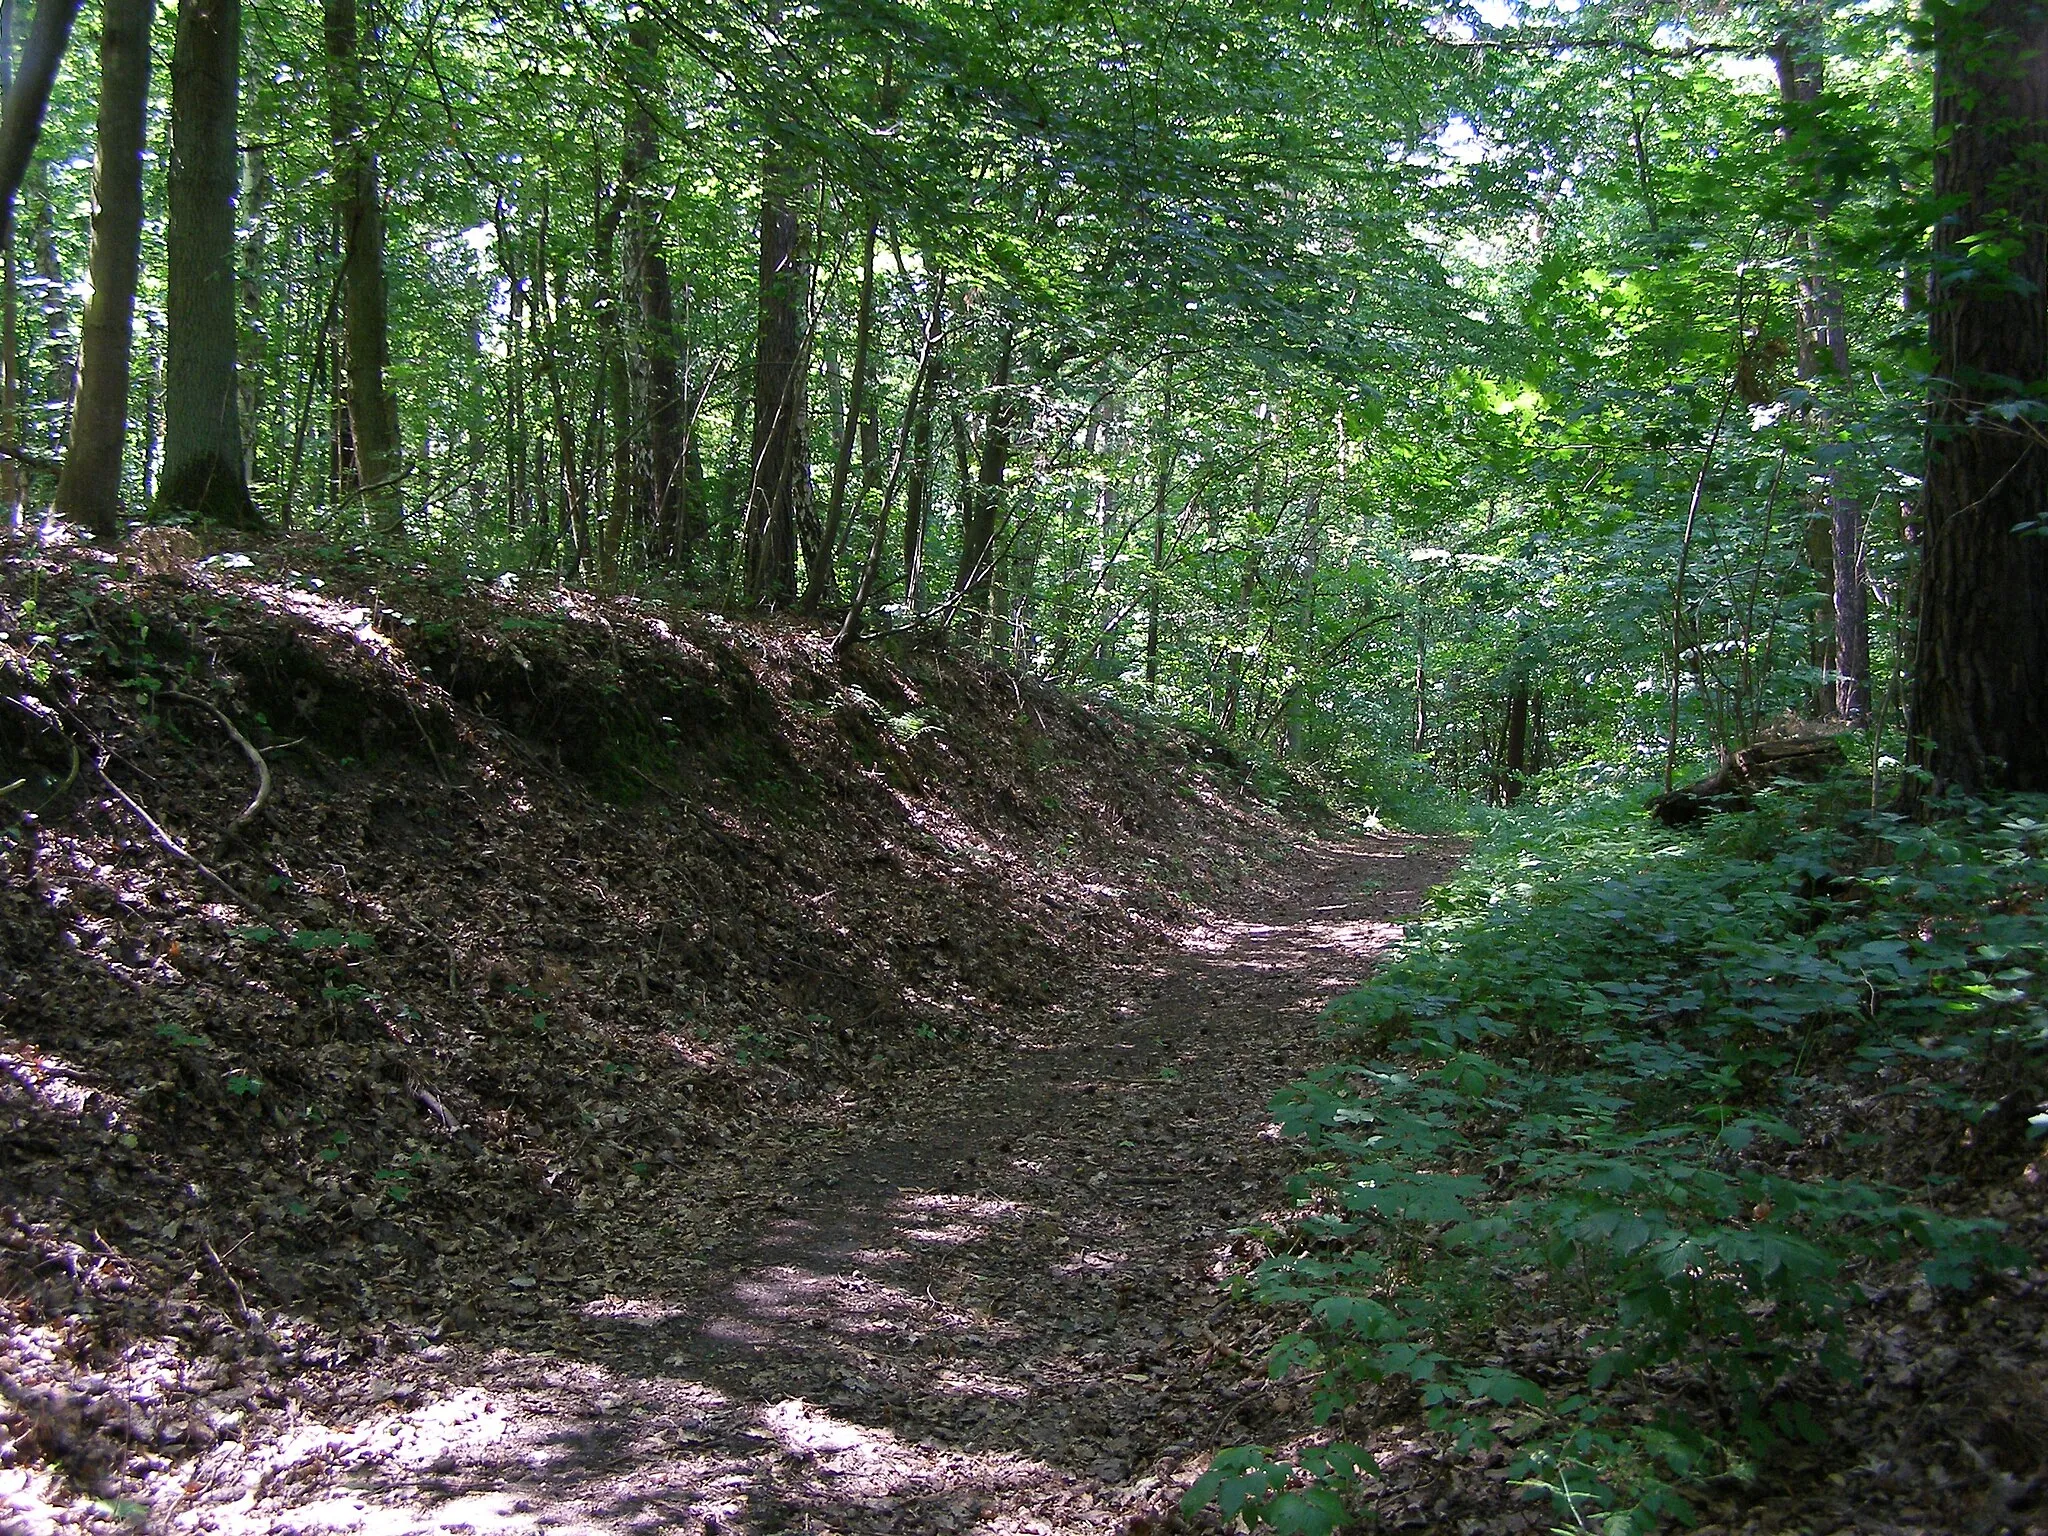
{"x":1804,"y":753}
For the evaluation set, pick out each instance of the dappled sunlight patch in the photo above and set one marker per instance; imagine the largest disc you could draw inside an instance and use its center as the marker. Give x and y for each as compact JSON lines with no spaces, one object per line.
{"x":953,"y":1235}
{"x":1092,"y":1263}
{"x":845,"y":1303}
{"x":977,"y":1384}
{"x":344,"y":620}
{"x":640,"y":1311}
{"x":48,"y":1082}
{"x":862,"y":1463}
{"x":967,"y":1207}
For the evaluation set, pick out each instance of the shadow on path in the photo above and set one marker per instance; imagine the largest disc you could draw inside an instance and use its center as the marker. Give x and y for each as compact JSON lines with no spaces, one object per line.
{"x":995,"y":1318}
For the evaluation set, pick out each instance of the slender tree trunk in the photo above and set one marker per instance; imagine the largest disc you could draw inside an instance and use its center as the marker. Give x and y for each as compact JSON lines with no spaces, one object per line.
{"x":152,"y":395}
{"x":856,"y":403}
{"x":917,"y":509}
{"x":60,"y":346}
{"x":1421,"y":676}
{"x":1515,"y":757}
{"x":1824,"y":352}
{"x":780,"y":463}
{"x":366,"y":331}
{"x":11,"y":480}
{"x":982,"y":502}
{"x":89,"y":490}
{"x":575,"y":514}
{"x":202,"y":473}
{"x":257,"y":189}
{"x":517,"y":454}
{"x":921,"y":382}
{"x":1980,"y":686}
{"x":674,"y":534}
{"x":1161,"y":485}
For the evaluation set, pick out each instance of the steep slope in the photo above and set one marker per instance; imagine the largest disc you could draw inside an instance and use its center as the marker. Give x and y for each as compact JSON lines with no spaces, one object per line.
{"x":550,"y":902}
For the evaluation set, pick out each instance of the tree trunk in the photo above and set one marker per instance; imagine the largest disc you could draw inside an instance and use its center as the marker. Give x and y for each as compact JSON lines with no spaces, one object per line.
{"x":1159,"y":494}
{"x":202,"y":474}
{"x":1980,"y":688}
{"x":917,"y":509}
{"x":575,"y":512}
{"x":780,"y":460}
{"x":60,"y":346}
{"x":674,"y":533}
{"x":11,"y":479}
{"x":1515,"y":758}
{"x":28,"y":97}
{"x":366,"y":331}
{"x":856,"y":403}
{"x":90,"y":489}
{"x":1421,"y":676}
{"x":1824,"y":351}
{"x":517,"y":455}
{"x":152,"y":393}
{"x":257,"y":189}
{"x":981,"y":503}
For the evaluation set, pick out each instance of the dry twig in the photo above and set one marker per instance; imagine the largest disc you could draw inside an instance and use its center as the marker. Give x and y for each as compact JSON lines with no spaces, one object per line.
{"x":168,"y":843}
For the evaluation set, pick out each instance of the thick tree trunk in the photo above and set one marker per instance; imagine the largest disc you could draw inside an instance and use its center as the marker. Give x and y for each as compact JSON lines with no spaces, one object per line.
{"x":1980,"y":687}
{"x":780,"y":475}
{"x":1824,"y":352}
{"x":90,"y":489}
{"x":202,"y":473}
{"x":28,"y":97}
{"x":366,"y":331}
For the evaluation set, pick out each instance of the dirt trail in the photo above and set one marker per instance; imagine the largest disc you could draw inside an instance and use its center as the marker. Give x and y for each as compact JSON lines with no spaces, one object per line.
{"x":993,"y":1314}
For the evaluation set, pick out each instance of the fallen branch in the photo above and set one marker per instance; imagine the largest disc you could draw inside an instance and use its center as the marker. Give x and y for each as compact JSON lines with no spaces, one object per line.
{"x":255,"y":806}
{"x":165,"y":841}
{"x":248,"y":1314}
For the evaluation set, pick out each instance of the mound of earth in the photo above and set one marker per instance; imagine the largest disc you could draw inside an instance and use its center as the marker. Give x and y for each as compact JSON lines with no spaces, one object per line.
{"x":373,"y":951}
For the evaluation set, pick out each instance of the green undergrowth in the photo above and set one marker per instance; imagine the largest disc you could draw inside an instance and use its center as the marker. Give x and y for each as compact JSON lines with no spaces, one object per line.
{"x":1618,"y":1159}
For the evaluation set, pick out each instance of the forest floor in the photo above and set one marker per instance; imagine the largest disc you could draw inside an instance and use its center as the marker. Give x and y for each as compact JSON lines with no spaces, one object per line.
{"x":996,"y":1309}
{"x":633,"y":1069}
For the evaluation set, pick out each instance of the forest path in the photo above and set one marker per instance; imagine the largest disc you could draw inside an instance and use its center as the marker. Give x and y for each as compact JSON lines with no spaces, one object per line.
{"x":992,"y":1316}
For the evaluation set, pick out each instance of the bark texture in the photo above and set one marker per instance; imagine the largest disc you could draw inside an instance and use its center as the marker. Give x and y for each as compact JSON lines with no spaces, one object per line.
{"x":982,"y":502}
{"x":202,"y":474}
{"x":675,"y":524}
{"x":89,"y":491}
{"x":366,"y":329}
{"x":779,"y":484}
{"x":1824,"y":355}
{"x":1980,"y":691}
{"x":28,"y":97}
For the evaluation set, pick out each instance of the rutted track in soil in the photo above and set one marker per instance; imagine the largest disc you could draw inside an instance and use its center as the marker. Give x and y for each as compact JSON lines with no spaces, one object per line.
{"x":992,"y":1314}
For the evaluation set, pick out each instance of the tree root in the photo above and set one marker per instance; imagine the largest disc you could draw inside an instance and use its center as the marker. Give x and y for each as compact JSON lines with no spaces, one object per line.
{"x":256,"y":760}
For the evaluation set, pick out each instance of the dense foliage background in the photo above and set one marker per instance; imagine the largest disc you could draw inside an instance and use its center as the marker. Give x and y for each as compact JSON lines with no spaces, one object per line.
{"x":1408,"y":390}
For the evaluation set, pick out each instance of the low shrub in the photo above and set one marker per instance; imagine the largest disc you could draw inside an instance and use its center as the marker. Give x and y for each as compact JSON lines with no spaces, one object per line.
{"x":1581,"y":1169}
